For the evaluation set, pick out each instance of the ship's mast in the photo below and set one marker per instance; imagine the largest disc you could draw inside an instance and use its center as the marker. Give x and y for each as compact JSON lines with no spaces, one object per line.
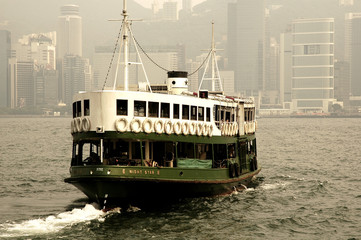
{"x":125,"y":36}
{"x":126,"y":44}
{"x":214,"y":66}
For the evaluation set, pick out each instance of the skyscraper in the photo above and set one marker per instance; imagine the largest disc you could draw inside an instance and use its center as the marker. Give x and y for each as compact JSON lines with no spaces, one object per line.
{"x":353,"y":51}
{"x":69,"y":31}
{"x":313,"y":64}
{"x":245,"y":44}
{"x":5,"y":48}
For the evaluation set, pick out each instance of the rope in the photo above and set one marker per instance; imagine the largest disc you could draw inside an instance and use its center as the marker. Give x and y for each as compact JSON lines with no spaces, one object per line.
{"x":111,"y":60}
{"x":136,"y":41}
{"x":201,"y":64}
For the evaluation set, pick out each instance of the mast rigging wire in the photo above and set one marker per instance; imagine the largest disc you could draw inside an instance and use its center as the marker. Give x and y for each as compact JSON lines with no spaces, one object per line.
{"x":111,"y":60}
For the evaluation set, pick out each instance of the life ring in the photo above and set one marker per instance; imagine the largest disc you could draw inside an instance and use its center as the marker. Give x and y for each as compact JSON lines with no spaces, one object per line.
{"x":78,"y":125}
{"x":136,"y":125}
{"x":199,"y":129}
{"x":86,"y":124}
{"x":72,"y":126}
{"x":121,"y":124}
{"x":148,"y":125}
{"x":185,"y":128}
{"x":232,"y":170}
{"x":223,"y":128}
{"x":192,"y":128}
{"x":245,"y":128}
{"x":177,"y":128}
{"x":226,"y":129}
{"x":159,"y":126}
{"x":210,"y":131}
{"x":205,"y":129}
{"x":168,"y":127}
{"x":235,"y":128}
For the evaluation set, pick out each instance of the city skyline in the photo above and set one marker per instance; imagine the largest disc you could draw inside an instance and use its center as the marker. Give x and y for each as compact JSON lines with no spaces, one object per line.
{"x":255,"y":54}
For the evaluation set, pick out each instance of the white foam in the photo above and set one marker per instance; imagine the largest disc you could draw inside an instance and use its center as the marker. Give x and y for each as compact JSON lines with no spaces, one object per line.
{"x":273,"y":186}
{"x":52,"y":223}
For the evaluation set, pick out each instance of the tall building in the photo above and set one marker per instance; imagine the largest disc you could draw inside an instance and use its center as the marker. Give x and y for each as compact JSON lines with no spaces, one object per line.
{"x":69,"y":31}
{"x":313,"y":64}
{"x":353,"y":51}
{"x":245,"y":45}
{"x":170,"y":11}
{"x":22,"y":88}
{"x":76,"y":77}
{"x":286,"y":68}
{"x":5,"y":50}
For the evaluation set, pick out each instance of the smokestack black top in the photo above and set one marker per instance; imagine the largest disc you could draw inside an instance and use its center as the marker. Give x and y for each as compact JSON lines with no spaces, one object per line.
{"x":177,"y":74}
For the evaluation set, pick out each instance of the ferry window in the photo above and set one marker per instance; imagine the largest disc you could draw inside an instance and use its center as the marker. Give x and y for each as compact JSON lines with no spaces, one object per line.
{"x":216,"y":113}
{"x":208,"y":114}
{"x":164,"y":110}
{"x":220,"y":155}
{"x":231,"y":150}
{"x":200,"y":113}
{"x":153,"y":109}
{"x":122,"y":107}
{"x":185,"y":112}
{"x":228,"y":116}
{"x":136,"y":152}
{"x":86,"y":107}
{"x":245,"y":115}
{"x":193,"y":112}
{"x":176,"y":111}
{"x":78,"y":109}
{"x":139,"y":108}
{"x":204,"y":151}
{"x":74,"y":109}
{"x":185,"y":150}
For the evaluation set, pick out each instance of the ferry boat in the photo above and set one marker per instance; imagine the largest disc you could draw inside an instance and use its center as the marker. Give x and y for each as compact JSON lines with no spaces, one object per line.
{"x":143,"y":146}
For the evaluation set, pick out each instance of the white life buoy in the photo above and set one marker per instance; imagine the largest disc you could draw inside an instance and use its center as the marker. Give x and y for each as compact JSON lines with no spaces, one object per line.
{"x":148,"y":125}
{"x":223,"y":128}
{"x":199,"y":129}
{"x":210,"y":131}
{"x":121,"y":124}
{"x":235,"y":128}
{"x":205,"y":129}
{"x":168,"y":127}
{"x":136,"y":125}
{"x":78,"y":125}
{"x":192,"y":128}
{"x":159,"y":126}
{"x":185,"y":128}
{"x":177,"y":128}
{"x":86,"y":124}
{"x":72,"y":126}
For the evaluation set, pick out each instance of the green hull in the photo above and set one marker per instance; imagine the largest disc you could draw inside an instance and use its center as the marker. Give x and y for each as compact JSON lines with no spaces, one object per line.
{"x":141,"y":185}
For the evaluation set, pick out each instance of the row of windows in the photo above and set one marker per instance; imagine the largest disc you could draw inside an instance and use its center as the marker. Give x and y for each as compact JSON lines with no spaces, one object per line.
{"x":312,"y":49}
{"x":77,"y":108}
{"x":156,"y":110}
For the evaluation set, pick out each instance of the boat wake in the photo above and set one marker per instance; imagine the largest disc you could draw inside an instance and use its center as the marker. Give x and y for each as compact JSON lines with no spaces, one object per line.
{"x":54,"y":223}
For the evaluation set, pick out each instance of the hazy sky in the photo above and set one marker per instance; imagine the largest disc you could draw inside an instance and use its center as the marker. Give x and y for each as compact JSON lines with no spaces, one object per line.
{"x":148,"y":3}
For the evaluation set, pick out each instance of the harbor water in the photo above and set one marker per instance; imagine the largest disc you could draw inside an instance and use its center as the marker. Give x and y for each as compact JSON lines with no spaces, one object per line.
{"x":309,"y":188}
